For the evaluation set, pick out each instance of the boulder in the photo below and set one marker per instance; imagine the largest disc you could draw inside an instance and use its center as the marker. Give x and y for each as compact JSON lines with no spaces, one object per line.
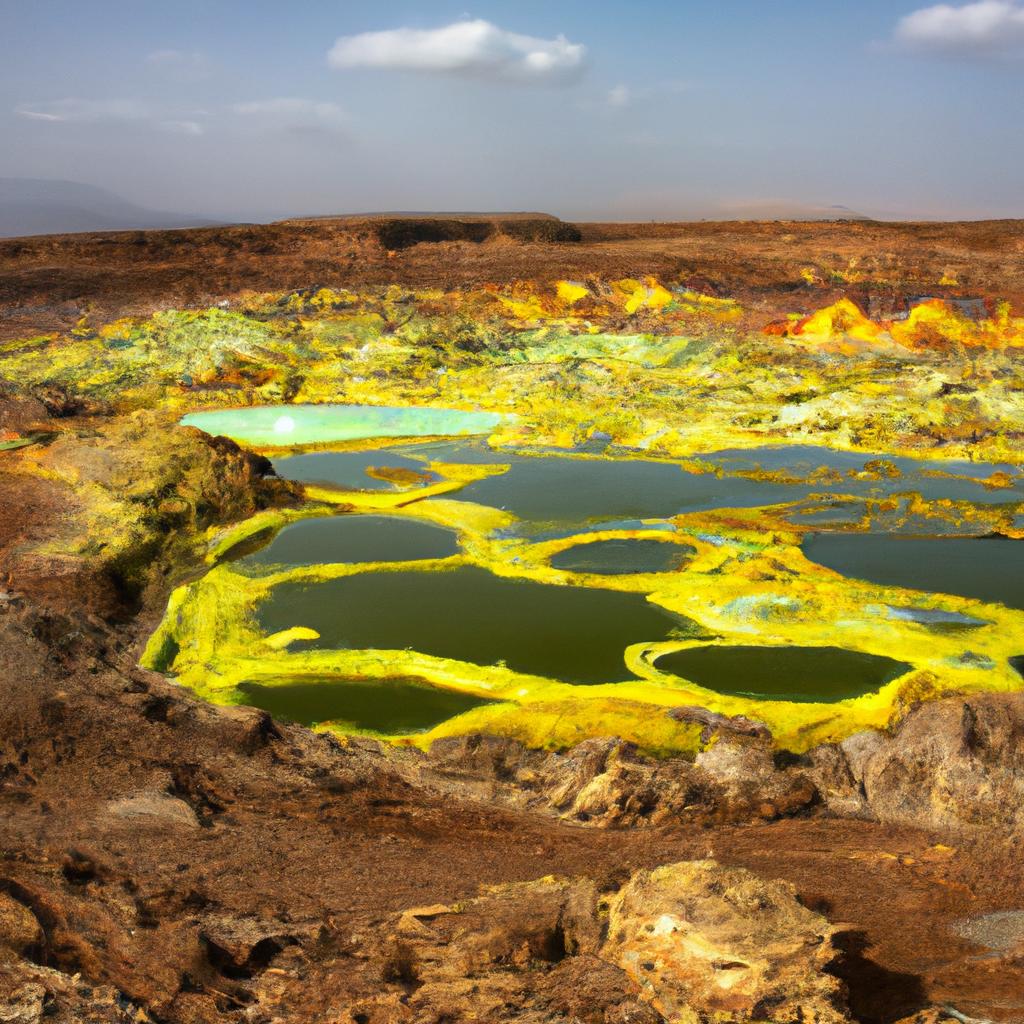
{"x":949,"y":765}
{"x":605,"y":783}
{"x":686,"y":942}
{"x":153,"y":809}
{"x":705,"y":942}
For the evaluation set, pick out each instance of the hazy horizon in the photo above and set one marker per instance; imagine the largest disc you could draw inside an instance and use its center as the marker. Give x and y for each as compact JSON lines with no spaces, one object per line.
{"x":255,"y":112}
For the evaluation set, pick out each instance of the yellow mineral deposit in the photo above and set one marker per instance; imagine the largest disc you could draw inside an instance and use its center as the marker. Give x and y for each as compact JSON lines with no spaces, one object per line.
{"x":755,"y":560}
{"x":689,"y":374}
{"x":930,"y":324}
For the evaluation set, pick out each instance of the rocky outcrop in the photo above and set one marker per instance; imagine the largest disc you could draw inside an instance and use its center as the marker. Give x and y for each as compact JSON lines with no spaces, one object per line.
{"x":121,"y":504}
{"x":949,"y":765}
{"x":702,"y":941}
{"x":686,"y":942}
{"x":605,"y":783}
{"x":31,"y":994}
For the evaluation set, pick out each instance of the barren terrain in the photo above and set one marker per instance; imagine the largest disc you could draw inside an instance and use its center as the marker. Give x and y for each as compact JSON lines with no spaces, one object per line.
{"x":169,"y":860}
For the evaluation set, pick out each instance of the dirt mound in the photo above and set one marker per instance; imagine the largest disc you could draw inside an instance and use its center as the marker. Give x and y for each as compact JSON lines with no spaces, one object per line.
{"x":401,"y":234}
{"x":406,"y":232}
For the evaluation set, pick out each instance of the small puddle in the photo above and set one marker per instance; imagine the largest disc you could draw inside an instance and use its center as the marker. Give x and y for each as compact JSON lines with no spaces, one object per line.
{"x":623,"y":556}
{"x":574,"y":634}
{"x":823,"y":674}
{"x":274,"y":425}
{"x":354,"y":538}
{"x":12,"y":444}
{"x":398,"y":705}
{"x":988,"y":568}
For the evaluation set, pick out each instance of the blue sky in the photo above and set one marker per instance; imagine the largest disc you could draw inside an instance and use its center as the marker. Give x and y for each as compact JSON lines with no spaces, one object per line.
{"x":643,"y":110}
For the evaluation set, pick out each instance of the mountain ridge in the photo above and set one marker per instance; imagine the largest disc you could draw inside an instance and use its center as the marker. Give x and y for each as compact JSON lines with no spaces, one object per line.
{"x":51,"y":206}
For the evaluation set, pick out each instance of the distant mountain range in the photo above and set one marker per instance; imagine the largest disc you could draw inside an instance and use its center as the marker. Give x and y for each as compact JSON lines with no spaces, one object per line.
{"x":37,"y":206}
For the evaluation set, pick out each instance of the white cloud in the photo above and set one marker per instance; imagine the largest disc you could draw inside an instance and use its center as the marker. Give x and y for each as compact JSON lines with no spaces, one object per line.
{"x":73,"y":109}
{"x":468,"y":47}
{"x":294,"y":114}
{"x":115,"y":111}
{"x":987,"y":27}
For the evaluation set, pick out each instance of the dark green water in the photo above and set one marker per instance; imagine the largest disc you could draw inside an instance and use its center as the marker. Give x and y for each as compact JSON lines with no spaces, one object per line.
{"x":397,"y":705}
{"x":623,"y":556}
{"x":349,"y":470}
{"x":577,"y":634}
{"x":560,"y":488}
{"x":914,"y":474}
{"x":355,"y":538}
{"x":574,"y":634}
{"x":990,"y":568}
{"x":783,"y":673}
{"x":557,"y":488}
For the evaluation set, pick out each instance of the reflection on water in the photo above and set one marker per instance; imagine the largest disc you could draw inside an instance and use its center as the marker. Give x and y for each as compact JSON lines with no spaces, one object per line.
{"x":277,"y":425}
{"x":398,"y":705}
{"x":377,"y":470}
{"x":355,"y":538}
{"x":988,"y":568}
{"x":575,"y":634}
{"x":783,"y":673}
{"x":562,"y":488}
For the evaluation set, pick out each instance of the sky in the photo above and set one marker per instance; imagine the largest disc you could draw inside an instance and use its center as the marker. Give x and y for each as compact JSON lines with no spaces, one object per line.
{"x":655,"y":109}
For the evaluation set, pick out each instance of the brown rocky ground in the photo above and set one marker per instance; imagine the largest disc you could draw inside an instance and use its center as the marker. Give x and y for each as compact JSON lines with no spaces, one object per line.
{"x":48,"y":282}
{"x":166,"y":860}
